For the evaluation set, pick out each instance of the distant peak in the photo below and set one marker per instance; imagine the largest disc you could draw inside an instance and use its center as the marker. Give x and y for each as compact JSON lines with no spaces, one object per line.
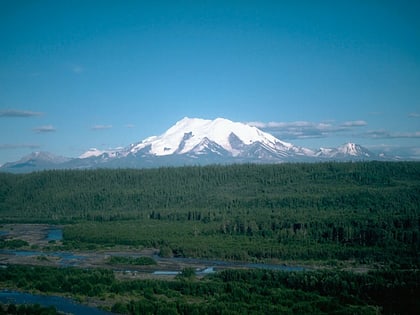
{"x":189,"y":119}
{"x":350,"y":144}
{"x":354,"y":149}
{"x":91,"y":152}
{"x":44,"y":156}
{"x":221,"y":119}
{"x":41,"y":154}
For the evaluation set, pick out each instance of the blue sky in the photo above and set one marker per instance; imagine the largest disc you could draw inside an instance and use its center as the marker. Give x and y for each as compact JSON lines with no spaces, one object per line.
{"x":82,"y":74}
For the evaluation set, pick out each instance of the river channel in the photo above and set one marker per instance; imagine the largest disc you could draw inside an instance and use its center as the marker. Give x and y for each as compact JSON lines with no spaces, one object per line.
{"x":165,"y":267}
{"x":86,"y":259}
{"x":61,"y":304}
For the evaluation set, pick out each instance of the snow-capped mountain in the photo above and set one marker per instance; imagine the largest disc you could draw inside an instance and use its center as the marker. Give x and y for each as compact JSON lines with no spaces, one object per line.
{"x":196,"y":141}
{"x":194,"y":136}
{"x":346,"y":151}
{"x":36,"y":161}
{"x":93,"y":152}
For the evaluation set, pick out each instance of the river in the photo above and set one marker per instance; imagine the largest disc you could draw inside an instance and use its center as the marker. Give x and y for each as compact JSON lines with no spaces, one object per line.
{"x":172,"y":266}
{"x":67,"y":259}
{"x":61,"y":304}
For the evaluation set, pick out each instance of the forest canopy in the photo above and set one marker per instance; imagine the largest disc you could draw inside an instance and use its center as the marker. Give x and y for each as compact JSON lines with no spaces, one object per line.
{"x":334,"y":218}
{"x":187,"y":192}
{"x":368,"y":211}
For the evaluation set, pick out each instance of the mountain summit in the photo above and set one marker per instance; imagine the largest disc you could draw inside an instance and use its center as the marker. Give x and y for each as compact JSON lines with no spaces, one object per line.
{"x":346,"y":151}
{"x":193,"y":141}
{"x":35,"y":161}
{"x":221,"y":136}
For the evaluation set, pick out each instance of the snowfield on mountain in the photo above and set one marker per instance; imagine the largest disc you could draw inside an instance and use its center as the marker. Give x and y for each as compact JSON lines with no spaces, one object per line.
{"x":196,"y":141}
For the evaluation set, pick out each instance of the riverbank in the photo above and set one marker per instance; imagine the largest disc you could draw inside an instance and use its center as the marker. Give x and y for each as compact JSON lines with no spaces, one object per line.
{"x":236,"y":291}
{"x":61,"y":304}
{"x":44,"y":248}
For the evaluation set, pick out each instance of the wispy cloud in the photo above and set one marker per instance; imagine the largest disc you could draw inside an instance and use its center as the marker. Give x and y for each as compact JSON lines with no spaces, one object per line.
{"x":416,"y":152}
{"x":77,"y":69}
{"x":46,"y":128}
{"x":306,"y":129}
{"x":18,"y":113}
{"x":414,"y":115}
{"x":101,"y":127}
{"x":383,"y":134}
{"x":355,"y":123}
{"x":19,"y":146}
{"x":130,"y":126}
{"x":407,"y":152}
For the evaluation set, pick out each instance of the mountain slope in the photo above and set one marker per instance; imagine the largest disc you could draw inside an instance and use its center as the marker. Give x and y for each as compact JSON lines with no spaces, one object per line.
{"x":196,"y":141}
{"x":190,"y":132}
{"x":346,"y":151}
{"x":36,"y":161}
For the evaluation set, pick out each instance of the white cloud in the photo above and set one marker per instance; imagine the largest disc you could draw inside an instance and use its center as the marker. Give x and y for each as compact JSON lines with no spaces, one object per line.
{"x":101,"y":127}
{"x":355,"y":123}
{"x":19,"y":146}
{"x":18,"y":113}
{"x":289,"y":125}
{"x":306,"y":129}
{"x":410,"y":152}
{"x":414,"y":115}
{"x":383,"y":134}
{"x":416,"y":151}
{"x":46,"y":128}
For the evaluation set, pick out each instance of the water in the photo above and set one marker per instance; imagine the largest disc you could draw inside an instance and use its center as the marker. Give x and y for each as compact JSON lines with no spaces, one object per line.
{"x":222,"y":263}
{"x":55,"y":235}
{"x":208,"y":270}
{"x":61,"y":304}
{"x":21,"y":252}
{"x":203,"y":272}
{"x":275,"y":267}
{"x":66,"y":258}
{"x":166,"y":273}
{"x":71,"y":259}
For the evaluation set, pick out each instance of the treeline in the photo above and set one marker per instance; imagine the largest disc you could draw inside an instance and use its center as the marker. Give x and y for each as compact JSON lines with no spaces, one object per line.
{"x":233,"y":291}
{"x":191,"y":193}
{"x":182,"y":239}
{"x":12,"y":244}
{"x":367,"y":211}
{"x":59,"y":280}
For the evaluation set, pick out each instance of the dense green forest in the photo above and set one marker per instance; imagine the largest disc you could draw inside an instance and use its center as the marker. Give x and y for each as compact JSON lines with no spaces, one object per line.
{"x":212,"y":192}
{"x":336,"y":218}
{"x":233,"y":291}
{"x":367,"y":211}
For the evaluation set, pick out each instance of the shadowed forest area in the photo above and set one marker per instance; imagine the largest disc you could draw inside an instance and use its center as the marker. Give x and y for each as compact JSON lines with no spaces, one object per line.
{"x":336,"y":218}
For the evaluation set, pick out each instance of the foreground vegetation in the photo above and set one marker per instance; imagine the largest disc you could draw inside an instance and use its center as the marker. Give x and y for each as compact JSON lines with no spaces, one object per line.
{"x":233,"y":291}
{"x":368,"y":212}
{"x":36,"y":309}
{"x":338,"y":215}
